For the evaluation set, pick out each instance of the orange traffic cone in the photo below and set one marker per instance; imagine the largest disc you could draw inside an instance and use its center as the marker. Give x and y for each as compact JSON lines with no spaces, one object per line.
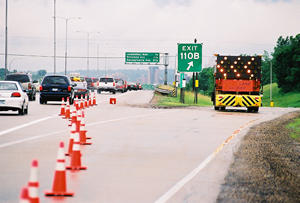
{"x":76,"y":155}
{"x":68,"y":113}
{"x":77,"y":105}
{"x":90,"y":100}
{"x":78,"y":121}
{"x":59,"y":187}
{"x":81,"y":103}
{"x":24,"y":198}
{"x":86,"y":104}
{"x":33,"y":184}
{"x":73,"y":117}
{"x":82,"y":134}
{"x":112,"y":100}
{"x":62,"y":109}
{"x":71,"y":140}
{"x":94,"y":100}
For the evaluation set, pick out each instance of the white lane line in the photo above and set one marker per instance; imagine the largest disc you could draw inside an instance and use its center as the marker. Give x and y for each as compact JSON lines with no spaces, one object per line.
{"x":61,"y":131}
{"x":24,"y":125}
{"x":30,"y":138}
{"x":179,"y":185}
{"x":185,"y":180}
{"x":125,"y":118}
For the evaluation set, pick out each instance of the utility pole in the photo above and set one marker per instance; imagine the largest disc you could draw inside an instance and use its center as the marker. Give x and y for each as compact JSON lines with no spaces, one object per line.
{"x":66,"y":47}
{"x":166,"y":62}
{"x":88,"y":54}
{"x":271,"y":100}
{"x":195,"y":82}
{"x":5,"y":57}
{"x":54,"y":37}
{"x":97,"y":60}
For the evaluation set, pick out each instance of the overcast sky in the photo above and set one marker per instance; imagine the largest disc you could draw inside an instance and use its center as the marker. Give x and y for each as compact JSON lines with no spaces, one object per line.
{"x":223,"y":26}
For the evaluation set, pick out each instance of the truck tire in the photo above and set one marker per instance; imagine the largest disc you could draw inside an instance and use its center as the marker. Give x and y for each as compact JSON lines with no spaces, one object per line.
{"x":217,"y":108}
{"x":223,"y":108}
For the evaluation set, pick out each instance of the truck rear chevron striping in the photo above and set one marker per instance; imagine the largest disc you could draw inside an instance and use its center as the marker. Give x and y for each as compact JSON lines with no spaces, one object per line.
{"x":238,"y":100}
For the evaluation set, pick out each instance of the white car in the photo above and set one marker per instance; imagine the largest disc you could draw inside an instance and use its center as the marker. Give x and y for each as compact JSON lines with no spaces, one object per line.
{"x":12,"y":97}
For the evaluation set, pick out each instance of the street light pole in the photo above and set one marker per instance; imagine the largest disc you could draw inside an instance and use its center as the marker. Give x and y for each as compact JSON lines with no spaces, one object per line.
{"x":54,"y":62}
{"x":88,"y":50}
{"x":88,"y":54}
{"x":271,"y":81}
{"x":5,"y":57}
{"x":66,"y":39}
{"x":66,"y":46}
{"x":97,"y":59}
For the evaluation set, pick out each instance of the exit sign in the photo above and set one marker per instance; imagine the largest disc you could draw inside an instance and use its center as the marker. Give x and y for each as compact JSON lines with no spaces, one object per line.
{"x":189,"y":57}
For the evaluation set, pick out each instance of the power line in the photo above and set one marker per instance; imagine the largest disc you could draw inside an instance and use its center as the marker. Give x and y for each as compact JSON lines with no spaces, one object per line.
{"x":78,"y":57}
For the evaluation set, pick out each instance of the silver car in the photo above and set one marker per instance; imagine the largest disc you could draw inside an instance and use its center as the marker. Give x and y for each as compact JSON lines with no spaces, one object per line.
{"x":13,"y":97}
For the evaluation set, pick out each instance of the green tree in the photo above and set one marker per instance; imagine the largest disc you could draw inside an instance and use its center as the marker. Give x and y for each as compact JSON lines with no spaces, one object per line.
{"x":2,"y":73}
{"x":206,"y":81}
{"x":41,"y":73}
{"x":286,"y":63}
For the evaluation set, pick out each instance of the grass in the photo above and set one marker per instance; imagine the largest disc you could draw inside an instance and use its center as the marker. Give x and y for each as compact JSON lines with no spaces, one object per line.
{"x":295,"y":127}
{"x":290,"y":99}
{"x":189,"y":100}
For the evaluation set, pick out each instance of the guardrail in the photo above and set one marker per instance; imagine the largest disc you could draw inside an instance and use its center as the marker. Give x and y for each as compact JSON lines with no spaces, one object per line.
{"x":163,"y":91}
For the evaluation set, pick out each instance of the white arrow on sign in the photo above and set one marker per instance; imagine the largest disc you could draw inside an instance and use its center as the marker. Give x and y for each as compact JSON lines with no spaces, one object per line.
{"x":191,"y":64}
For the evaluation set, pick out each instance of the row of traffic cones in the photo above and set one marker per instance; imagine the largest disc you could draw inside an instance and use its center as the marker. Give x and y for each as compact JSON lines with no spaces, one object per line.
{"x":87,"y":102}
{"x":78,"y":137}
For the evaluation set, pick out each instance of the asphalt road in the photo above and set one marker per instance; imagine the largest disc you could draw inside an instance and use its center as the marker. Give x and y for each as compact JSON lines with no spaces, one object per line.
{"x":138,"y":154}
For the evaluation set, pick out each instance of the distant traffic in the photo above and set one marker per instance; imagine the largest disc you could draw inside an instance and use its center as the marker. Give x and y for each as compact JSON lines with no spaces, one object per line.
{"x":19,"y":88}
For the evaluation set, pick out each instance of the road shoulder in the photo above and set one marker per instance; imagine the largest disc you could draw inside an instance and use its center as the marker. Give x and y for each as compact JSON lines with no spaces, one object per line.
{"x":266,"y":166}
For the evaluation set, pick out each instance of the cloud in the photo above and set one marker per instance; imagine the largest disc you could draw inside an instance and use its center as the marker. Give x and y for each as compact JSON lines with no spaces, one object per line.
{"x":177,"y":2}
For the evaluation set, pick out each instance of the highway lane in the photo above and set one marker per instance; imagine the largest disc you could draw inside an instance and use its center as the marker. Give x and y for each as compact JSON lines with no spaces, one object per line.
{"x":138,"y":154}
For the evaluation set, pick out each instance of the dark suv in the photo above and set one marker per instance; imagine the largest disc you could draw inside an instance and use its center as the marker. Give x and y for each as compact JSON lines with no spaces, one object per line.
{"x":56,"y":87}
{"x":26,"y":81}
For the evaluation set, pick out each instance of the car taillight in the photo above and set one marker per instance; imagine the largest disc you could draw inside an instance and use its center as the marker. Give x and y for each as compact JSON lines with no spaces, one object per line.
{"x":69,"y":89}
{"x":41,"y":88}
{"x":29,"y":86}
{"x":16,"y":94}
{"x":92,"y":84}
{"x":114,"y":84}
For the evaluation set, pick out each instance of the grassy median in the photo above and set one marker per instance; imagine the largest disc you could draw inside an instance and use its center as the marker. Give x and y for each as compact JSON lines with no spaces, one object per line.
{"x":290,"y":99}
{"x":168,"y":101}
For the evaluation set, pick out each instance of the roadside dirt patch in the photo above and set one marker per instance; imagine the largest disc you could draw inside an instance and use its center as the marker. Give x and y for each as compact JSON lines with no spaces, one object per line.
{"x":266,"y":167}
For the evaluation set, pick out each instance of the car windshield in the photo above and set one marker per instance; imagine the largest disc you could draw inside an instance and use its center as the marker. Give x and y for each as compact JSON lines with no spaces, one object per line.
{"x":79,"y":85}
{"x":95,"y":79}
{"x":57,"y":80}
{"x":8,"y":86}
{"x":18,"y":78}
{"x":106,"y":80}
{"x":88,"y":79}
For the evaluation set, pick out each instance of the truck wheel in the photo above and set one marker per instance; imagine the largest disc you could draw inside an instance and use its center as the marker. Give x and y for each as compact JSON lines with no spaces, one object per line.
{"x":217,"y":108}
{"x":255,"y":109}
{"x":223,"y":108}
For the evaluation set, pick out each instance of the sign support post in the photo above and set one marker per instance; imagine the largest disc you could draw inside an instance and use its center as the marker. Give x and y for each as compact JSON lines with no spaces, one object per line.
{"x":166,"y":69}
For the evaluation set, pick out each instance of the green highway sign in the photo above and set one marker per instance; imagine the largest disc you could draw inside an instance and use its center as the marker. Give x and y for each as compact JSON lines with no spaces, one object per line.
{"x":141,"y":57}
{"x":189,"y":57}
